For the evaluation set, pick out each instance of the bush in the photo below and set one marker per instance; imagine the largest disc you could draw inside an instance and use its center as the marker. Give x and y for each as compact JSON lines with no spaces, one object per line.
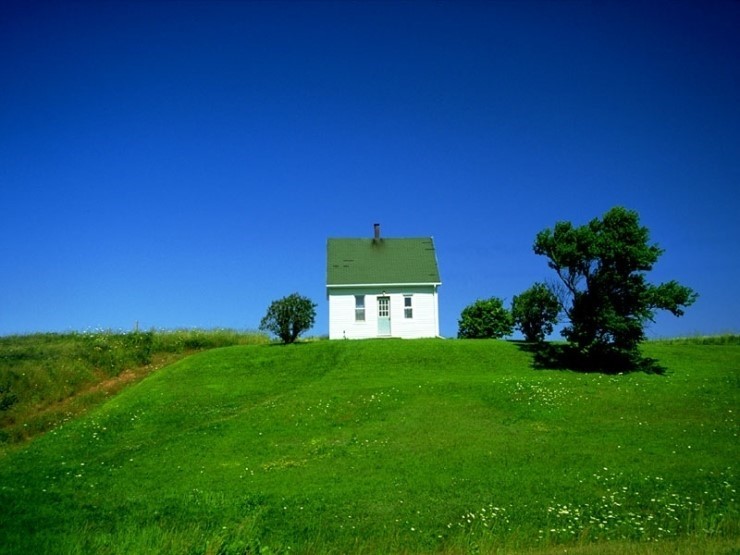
{"x":288,"y":317}
{"x":484,"y":319}
{"x":535,"y":312}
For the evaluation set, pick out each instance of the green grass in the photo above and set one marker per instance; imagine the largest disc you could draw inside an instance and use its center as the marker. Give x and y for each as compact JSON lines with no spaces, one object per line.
{"x":722,"y":339}
{"x":47,"y":379}
{"x":389,"y":447}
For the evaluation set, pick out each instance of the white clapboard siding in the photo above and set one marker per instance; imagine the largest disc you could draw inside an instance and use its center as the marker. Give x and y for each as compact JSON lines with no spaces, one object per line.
{"x":423,"y":323}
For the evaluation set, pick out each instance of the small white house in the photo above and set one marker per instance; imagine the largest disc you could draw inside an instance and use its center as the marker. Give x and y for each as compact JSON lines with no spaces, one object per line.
{"x":380,"y":287}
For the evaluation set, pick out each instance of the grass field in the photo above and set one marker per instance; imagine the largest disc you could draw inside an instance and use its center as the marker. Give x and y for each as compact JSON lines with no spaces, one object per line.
{"x":50,"y":378}
{"x":390,"y":447}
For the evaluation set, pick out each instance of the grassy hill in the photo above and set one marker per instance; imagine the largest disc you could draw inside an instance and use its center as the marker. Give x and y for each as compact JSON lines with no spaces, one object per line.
{"x":50,"y":378}
{"x":389,"y":446}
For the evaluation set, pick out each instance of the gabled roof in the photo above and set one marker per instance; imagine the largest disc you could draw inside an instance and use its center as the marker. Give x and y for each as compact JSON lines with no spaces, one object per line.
{"x":381,"y":261}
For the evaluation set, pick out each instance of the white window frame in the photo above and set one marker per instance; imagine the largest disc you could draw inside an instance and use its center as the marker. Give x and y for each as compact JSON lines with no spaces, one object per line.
{"x":359,"y":308}
{"x":408,"y":307}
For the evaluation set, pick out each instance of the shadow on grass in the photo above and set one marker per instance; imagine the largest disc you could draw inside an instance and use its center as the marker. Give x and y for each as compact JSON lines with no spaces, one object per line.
{"x":563,"y":356}
{"x":299,"y":341}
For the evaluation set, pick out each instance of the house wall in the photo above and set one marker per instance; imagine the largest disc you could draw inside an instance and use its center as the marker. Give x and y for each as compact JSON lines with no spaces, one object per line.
{"x":424,"y":323}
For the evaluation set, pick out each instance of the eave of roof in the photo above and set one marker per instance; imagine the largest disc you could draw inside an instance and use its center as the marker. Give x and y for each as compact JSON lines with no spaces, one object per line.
{"x":405,"y":284}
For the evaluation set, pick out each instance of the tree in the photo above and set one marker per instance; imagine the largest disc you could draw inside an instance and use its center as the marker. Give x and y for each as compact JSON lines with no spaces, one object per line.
{"x":604,"y":293}
{"x":535,"y":312}
{"x":289,"y":317}
{"x":485,"y":318}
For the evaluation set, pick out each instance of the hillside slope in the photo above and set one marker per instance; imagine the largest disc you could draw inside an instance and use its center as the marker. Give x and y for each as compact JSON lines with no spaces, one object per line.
{"x":385,"y":446}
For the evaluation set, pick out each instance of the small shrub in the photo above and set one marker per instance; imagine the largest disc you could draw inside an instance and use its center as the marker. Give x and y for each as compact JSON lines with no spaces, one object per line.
{"x":535,"y":312}
{"x":288,"y":317}
{"x":485,"y":318}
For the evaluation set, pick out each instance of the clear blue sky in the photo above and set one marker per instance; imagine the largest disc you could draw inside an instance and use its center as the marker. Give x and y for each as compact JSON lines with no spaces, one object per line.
{"x":181,"y":164}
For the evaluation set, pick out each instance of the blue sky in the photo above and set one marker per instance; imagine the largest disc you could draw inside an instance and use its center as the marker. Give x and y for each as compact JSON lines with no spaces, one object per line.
{"x":181,"y":164}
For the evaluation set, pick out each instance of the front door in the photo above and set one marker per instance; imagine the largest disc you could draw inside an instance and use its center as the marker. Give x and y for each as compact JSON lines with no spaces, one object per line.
{"x":384,"y":315}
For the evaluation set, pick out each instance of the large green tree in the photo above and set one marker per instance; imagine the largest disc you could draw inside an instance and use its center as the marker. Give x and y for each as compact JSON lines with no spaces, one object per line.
{"x":288,"y":317}
{"x":484,"y":319}
{"x":535,"y":312}
{"x":604,"y":292}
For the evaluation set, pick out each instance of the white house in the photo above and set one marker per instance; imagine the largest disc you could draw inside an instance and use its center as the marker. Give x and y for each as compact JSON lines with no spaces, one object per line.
{"x":380,"y":287}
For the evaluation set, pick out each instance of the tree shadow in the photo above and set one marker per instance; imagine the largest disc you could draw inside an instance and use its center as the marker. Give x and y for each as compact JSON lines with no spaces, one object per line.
{"x":296,"y":342}
{"x":563,"y":356}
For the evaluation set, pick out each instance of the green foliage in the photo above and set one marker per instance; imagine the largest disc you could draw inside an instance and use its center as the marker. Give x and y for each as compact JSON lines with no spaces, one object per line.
{"x":288,"y":317}
{"x":424,"y":446}
{"x":602,"y":267}
{"x":484,"y":319}
{"x":535,"y":312}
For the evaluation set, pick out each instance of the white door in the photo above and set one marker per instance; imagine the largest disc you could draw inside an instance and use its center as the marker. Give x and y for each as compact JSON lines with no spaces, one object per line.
{"x":384,"y":315}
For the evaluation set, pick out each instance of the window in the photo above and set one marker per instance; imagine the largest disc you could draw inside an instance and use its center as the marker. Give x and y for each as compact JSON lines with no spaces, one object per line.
{"x":359,"y":308}
{"x":408,"y":309}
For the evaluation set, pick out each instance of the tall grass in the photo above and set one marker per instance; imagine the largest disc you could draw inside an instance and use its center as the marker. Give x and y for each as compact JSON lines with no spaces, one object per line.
{"x":190,"y":340}
{"x":390,"y":447}
{"x":45,"y":379}
{"x":721,"y":339}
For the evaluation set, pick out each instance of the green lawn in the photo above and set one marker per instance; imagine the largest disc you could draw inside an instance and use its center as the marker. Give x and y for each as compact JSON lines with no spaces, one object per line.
{"x":389,"y":446}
